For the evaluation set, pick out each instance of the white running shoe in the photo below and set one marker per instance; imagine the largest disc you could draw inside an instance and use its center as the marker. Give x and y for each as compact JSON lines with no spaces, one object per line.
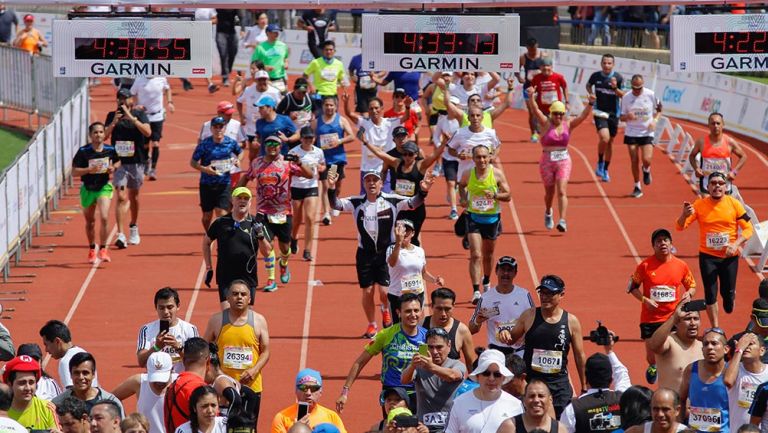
{"x":134,"y":238}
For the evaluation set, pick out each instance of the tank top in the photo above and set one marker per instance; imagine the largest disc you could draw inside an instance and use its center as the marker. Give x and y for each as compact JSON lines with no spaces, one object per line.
{"x":715,"y":157}
{"x":709,"y":403}
{"x":520,"y":425}
{"x":438,"y":100}
{"x":546,"y":348}
{"x":552,"y":139}
{"x":326,"y":131}
{"x":453,"y":354}
{"x":407,"y":184}
{"x":151,"y":405}
{"x":238,"y":348}
{"x":477,"y":202}
{"x":528,"y":66}
{"x":649,"y":424}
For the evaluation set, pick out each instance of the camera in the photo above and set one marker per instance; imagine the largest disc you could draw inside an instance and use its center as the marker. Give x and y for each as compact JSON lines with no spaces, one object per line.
{"x":601,"y":336}
{"x":291,"y":157}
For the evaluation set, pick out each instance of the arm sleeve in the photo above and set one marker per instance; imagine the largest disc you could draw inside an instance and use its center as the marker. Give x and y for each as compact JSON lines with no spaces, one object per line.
{"x":743,"y":219}
{"x":7,"y":350}
{"x":568,"y":419}
{"x":619,"y":373}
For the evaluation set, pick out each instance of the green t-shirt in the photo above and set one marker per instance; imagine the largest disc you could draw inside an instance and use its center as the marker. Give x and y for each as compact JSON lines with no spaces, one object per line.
{"x":272,"y":54}
{"x":325,"y":76}
{"x":487,"y":120}
{"x":397,"y":350}
{"x":37,"y":416}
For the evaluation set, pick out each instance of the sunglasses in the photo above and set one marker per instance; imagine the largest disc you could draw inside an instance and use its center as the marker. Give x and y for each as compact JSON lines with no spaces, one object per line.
{"x":311,"y":388}
{"x":720,"y":183}
{"x":409,"y":154}
{"x":439,"y":332}
{"x":496,"y":374}
{"x":715,"y":330}
{"x":272,"y":144}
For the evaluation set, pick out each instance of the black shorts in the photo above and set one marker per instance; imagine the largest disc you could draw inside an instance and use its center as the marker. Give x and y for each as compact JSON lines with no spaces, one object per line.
{"x":647,"y":329}
{"x":339,"y":169}
{"x":450,"y":169}
{"x":723,"y":270}
{"x":157,"y":130}
{"x":280,"y":231}
{"x":433,"y":119}
{"x":638,"y":141}
{"x":214,"y":196}
{"x":302,"y":193}
{"x":612,"y":123}
{"x":371,"y":268}
{"x":487,"y":231}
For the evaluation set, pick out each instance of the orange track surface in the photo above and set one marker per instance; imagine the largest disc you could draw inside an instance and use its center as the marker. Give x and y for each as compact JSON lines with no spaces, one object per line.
{"x":107,"y":305}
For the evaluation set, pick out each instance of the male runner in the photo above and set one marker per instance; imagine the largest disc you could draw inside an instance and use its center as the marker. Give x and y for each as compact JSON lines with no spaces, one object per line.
{"x":715,"y":150}
{"x":149,"y":93}
{"x":640,"y":110}
{"x":676,"y":345}
{"x":605,"y":85}
{"x":529,"y":67}
{"x":704,"y":389}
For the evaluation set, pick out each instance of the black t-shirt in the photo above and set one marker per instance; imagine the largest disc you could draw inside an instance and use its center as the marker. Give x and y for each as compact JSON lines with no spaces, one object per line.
{"x":320,"y":22}
{"x":226,"y":19}
{"x":289,"y":104}
{"x":8,"y":21}
{"x":87,"y":156}
{"x":236,"y":246}
{"x":606,"y":98}
{"x":128,"y":141}
{"x":392,"y":171}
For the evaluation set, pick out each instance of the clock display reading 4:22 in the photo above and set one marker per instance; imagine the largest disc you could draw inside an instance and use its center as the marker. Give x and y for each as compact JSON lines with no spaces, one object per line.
{"x":441,"y":43}
{"x":732,"y":43}
{"x":132,"y":49}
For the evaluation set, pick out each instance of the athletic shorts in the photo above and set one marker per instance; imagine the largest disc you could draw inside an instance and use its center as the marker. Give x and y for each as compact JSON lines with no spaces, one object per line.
{"x":552,"y":171}
{"x":371,"y":268}
{"x":487,"y":231}
{"x":88,"y":198}
{"x":302,"y":193}
{"x":339,"y":170}
{"x":612,"y":123}
{"x":433,"y":119}
{"x":450,"y":169}
{"x":647,"y":329}
{"x":720,"y":270}
{"x":214,"y":196}
{"x":280,"y":231}
{"x":157,"y":130}
{"x":129,"y":176}
{"x":638,"y":141}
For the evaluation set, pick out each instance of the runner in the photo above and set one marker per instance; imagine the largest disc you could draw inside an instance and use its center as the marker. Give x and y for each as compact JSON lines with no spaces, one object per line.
{"x":703,"y":387}
{"x":155,"y":337}
{"x":469,"y":88}
{"x":326,"y":72}
{"x":397,"y":111}
{"x":317,"y":23}
{"x":456,"y":111}
{"x":715,"y":151}
{"x":308,"y":390}
{"x":640,"y":110}
{"x":443,"y":126}
{"x":462,"y":143}
{"x":271,"y":124}
{"x":129,"y":130}
{"x":274,"y":54}
{"x":666,"y":281}
{"x":536,"y":413}
{"x":555,"y":162}
{"x":365,"y":87}
{"x":233,"y":129}
{"x":549,"y":86}
{"x":529,"y":67}
{"x":149,"y":389}
{"x":297,"y":105}
{"x":720,"y":217}
{"x":333,"y":131}
{"x":443,"y":305}
{"x":606,"y":86}
{"x":247,"y":106}
{"x":176,"y":403}
{"x":149,"y":95}
{"x":94,"y":163}
{"x":665,"y":405}
{"x":304,"y":192}
{"x":375,"y":214}
{"x":676,"y":345}
{"x":482,"y":188}
{"x":273,"y":173}
{"x":744,"y":373}
{"x":213,"y":159}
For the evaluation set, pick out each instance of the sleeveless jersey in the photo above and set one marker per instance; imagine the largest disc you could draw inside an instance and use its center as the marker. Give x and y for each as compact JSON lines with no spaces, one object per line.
{"x":476,"y":188}
{"x":238,"y":348}
{"x":325,"y":132}
{"x":151,"y":405}
{"x":520,"y":425}
{"x":709,"y":403}
{"x":715,"y":158}
{"x":546,"y":348}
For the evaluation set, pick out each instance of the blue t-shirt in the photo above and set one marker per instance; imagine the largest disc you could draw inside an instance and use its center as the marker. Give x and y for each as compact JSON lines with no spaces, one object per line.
{"x":408,"y":81}
{"x":282,"y":123}
{"x":219,"y":156}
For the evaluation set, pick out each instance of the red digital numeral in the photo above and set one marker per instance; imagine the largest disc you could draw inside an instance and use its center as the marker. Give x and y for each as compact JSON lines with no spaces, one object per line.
{"x":717,"y":41}
{"x":740,"y":45}
{"x":449,"y":43}
{"x":409,"y":39}
{"x":760,"y":40}
{"x":162,"y":49}
{"x":179,"y":52}
{"x":433,"y":40}
{"x":123,"y":48}
{"x":490,"y":45}
{"x":140,"y":49}
{"x":477,"y":42}
{"x":101,"y":45}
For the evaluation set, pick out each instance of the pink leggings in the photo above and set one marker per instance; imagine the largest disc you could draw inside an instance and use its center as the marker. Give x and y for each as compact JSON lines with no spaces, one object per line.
{"x":552,"y":171}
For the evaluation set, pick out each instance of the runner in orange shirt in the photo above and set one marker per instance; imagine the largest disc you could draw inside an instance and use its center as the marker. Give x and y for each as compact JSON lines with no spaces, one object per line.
{"x":29,"y":38}
{"x":719,"y":217}
{"x":716,"y":150}
{"x":662,"y":277}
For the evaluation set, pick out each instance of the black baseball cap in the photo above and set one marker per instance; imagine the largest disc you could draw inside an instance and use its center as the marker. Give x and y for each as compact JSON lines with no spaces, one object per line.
{"x":507,"y":261}
{"x":660,"y":232}
{"x":124,"y":93}
{"x":400,"y":392}
{"x":399,"y":91}
{"x":400,"y":130}
{"x":218,"y":120}
{"x":760,"y":312}
{"x":410,"y":146}
{"x":307,"y":131}
{"x":552,"y":284}
{"x":716,"y":174}
{"x":301,"y":83}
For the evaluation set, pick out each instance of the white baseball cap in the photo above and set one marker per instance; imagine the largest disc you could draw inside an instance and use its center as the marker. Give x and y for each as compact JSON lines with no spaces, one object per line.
{"x":261,"y":74}
{"x":492,"y":356}
{"x":159,"y":366}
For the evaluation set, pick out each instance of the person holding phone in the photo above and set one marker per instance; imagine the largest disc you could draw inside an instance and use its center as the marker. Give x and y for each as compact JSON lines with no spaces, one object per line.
{"x":166,"y":334}
{"x":665,"y":281}
{"x":307,"y":409}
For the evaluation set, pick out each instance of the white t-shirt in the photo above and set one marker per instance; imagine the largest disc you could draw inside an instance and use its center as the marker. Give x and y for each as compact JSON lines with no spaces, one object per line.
{"x":448,"y":127}
{"x":182,"y":331}
{"x":406,"y":275}
{"x":644,"y":107}
{"x":47,"y":388}
{"x":64,"y":376}
{"x":464,"y":94}
{"x":312,"y":158}
{"x":204,"y":14}
{"x":249,"y":98}
{"x":234,"y":130}
{"x":465,"y":140}
{"x":472,"y":415}
{"x":742,"y":393}
{"x":149,"y":93}
{"x":219,"y":426}
{"x":151,"y":405}
{"x":505,"y":309}
{"x":254,"y":35}
{"x":377,"y":135}
{"x":8,"y":425}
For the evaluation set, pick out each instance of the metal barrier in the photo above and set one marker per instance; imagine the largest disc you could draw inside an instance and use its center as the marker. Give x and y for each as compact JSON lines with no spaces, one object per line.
{"x":618,"y":34}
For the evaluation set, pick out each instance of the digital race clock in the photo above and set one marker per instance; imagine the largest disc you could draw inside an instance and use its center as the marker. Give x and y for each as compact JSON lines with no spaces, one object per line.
{"x":719,"y":43}
{"x":441,"y":42}
{"x":132,"y":48}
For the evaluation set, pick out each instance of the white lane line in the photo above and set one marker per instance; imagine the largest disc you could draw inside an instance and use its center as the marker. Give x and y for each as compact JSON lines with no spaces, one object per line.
{"x":523,"y":242}
{"x":196,"y":292}
{"x":308,"y":303}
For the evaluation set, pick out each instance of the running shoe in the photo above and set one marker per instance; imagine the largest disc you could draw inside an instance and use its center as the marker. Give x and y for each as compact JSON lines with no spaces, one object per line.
{"x":327,"y":219}
{"x":212,"y":88}
{"x":647,"y":177}
{"x":92,"y":256}
{"x":271,"y":286}
{"x":134,"y":238}
{"x":476,"y":297}
{"x":561,"y":226}
{"x":600,"y":169}
{"x":549,"y":222}
{"x":370,"y":331}
{"x":294,"y":246}
{"x":650,"y":374}
{"x":104,"y":255}
{"x":152,"y":174}
{"x":121,"y":242}
{"x":285,"y":274}
{"x":606,"y":177}
{"x":225,"y":82}
{"x":486,"y":287}
{"x":637,"y":192}
{"x":534,"y":138}
{"x":386,"y":318}
{"x":453,"y":215}
{"x":465,"y":243}
{"x":187,"y":84}
{"x":307,"y":256}
{"x":335,"y":213}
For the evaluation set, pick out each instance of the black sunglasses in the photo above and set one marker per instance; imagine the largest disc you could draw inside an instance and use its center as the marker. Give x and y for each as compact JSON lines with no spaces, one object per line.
{"x":496,"y":374}
{"x":440,"y":332}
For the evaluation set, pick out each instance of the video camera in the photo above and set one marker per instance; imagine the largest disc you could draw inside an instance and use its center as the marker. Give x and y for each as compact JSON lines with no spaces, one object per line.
{"x":601,"y":336}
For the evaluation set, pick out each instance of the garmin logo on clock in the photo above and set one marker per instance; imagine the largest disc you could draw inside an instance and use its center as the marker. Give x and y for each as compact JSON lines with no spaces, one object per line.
{"x":131,"y":69}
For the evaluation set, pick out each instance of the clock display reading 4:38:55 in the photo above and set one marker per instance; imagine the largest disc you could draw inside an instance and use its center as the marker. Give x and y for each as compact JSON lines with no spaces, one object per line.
{"x":132,"y":49}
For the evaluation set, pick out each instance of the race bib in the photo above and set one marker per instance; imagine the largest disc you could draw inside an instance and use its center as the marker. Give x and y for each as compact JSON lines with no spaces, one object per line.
{"x":328,"y":74}
{"x":405,"y":187}
{"x":438,"y":419}
{"x":101,"y":164}
{"x":663,"y":294}
{"x":504,"y":326}
{"x":746,"y":394}
{"x":547,"y":361}
{"x":483,"y":204}
{"x":237,"y":358}
{"x":640,"y":114}
{"x":717,"y":241}
{"x":558,"y":155}
{"x":222,"y":165}
{"x":328,"y":140}
{"x":125,"y":149}
{"x":549,"y":97}
{"x":412,"y":284}
{"x":366,"y":82}
{"x":279,"y":218}
{"x":711,"y":165}
{"x":705,"y":419}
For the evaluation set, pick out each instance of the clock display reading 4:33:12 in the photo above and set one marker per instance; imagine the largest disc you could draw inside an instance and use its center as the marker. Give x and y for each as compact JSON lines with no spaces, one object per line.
{"x":447,"y":43}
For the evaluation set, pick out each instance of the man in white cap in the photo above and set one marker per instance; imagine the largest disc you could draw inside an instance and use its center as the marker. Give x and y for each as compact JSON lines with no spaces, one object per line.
{"x":149,"y":389}
{"x":247,"y":102}
{"x":484,"y":408}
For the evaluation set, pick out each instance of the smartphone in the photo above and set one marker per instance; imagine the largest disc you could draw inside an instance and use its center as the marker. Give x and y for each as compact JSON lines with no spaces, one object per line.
{"x":165,"y":325}
{"x":361,"y":133}
{"x":333,"y":169}
{"x":697,"y":305}
{"x":303,"y":410}
{"x":406,"y":421}
{"x":423,"y":350}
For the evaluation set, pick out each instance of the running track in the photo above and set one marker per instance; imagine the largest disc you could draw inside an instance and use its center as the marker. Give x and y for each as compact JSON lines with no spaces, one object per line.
{"x":320,"y":326}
